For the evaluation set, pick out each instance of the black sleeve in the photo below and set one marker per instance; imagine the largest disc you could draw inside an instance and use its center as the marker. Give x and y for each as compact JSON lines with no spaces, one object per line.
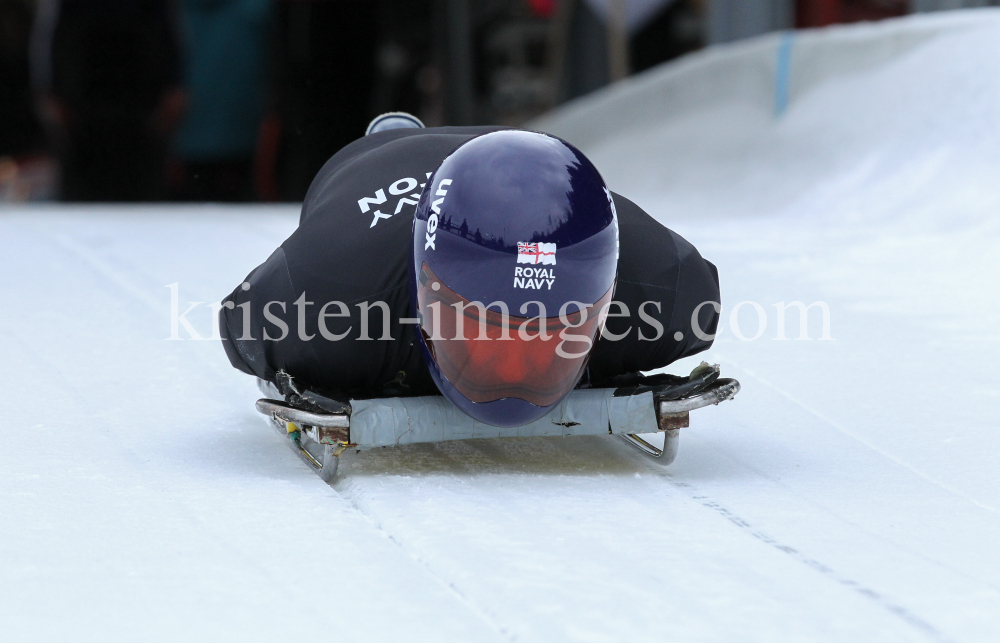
{"x":664,"y":277}
{"x":376,"y":154}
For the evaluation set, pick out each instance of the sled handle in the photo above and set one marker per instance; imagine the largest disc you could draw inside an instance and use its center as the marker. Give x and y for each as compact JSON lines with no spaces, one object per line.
{"x":720,"y":391}
{"x":282,"y":411}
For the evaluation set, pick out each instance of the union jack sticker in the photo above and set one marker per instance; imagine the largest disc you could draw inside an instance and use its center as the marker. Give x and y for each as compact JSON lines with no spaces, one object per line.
{"x":536,"y":253}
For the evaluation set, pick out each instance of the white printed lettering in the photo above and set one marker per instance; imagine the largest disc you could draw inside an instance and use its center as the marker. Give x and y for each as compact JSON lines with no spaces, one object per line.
{"x":378,"y":199}
{"x":399,"y":206}
{"x":379,"y":215}
{"x":402,"y":186}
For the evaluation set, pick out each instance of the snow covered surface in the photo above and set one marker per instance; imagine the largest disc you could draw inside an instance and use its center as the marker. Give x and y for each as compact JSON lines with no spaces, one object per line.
{"x":850,"y":492}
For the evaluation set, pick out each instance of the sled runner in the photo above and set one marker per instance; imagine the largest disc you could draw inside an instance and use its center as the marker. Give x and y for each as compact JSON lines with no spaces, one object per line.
{"x":322,"y":428}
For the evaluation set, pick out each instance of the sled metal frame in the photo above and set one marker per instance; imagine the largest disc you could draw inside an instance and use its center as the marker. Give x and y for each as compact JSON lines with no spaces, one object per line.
{"x":674,"y":415}
{"x":320,"y":438}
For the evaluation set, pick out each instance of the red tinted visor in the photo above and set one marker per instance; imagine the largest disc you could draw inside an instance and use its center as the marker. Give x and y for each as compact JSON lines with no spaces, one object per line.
{"x":488,"y":355}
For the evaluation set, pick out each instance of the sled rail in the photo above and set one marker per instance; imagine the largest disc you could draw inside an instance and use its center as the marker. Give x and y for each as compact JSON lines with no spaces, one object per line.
{"x":322,"y":436}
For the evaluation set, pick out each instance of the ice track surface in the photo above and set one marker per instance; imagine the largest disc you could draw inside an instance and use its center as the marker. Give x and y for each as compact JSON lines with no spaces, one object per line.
{"x":850,"y":493}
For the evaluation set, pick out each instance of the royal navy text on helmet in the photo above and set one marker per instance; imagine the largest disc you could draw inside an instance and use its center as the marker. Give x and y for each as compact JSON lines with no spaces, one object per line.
{"x":536,"y":278}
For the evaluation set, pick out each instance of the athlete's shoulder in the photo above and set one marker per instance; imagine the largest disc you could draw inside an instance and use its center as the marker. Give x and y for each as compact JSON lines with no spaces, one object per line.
{"x":409,"y":138}
{"x":376,"y":158}
{"x":630,"y":214}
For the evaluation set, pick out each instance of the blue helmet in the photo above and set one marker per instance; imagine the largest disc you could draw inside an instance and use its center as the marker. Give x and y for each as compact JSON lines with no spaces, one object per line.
{"x":515,"y":256}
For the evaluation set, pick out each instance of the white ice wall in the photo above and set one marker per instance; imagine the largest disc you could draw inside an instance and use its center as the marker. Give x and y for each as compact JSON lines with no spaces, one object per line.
{"x":749,"y":73}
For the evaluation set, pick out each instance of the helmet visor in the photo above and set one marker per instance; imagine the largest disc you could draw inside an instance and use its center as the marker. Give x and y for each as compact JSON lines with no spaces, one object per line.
{"x":489,"y":355}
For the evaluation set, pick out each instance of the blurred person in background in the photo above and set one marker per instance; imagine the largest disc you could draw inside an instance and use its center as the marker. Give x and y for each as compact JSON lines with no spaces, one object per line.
{"x":226,"y":82}
{"x":25,"y":171}
{"x":109,"y":82}
{"x":19,"y":131}
{"x":324,"y":75}
{"x":337,"y":64}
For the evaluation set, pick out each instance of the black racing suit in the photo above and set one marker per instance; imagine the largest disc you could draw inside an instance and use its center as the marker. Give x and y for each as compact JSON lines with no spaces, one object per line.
{"x":352,"y":246}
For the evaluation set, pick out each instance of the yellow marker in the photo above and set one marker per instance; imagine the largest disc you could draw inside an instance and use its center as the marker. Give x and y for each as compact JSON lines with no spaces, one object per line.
{"x":290,"y":427}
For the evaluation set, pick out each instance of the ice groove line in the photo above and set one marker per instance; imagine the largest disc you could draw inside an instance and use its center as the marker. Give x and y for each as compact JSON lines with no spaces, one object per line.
{"x":502,"y":631}
{"x":899,"y":611}
{"x":105,"y":269}
{"x":862,"y":440}
{"x":102,"y":267}
{"x":887,"y":541}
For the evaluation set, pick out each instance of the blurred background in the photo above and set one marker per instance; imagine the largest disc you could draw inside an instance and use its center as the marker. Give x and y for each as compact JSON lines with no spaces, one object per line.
{"x":244,"y":100}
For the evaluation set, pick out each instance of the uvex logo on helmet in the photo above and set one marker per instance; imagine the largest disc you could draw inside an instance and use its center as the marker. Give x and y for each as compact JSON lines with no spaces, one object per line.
{"x":432,"y":221}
